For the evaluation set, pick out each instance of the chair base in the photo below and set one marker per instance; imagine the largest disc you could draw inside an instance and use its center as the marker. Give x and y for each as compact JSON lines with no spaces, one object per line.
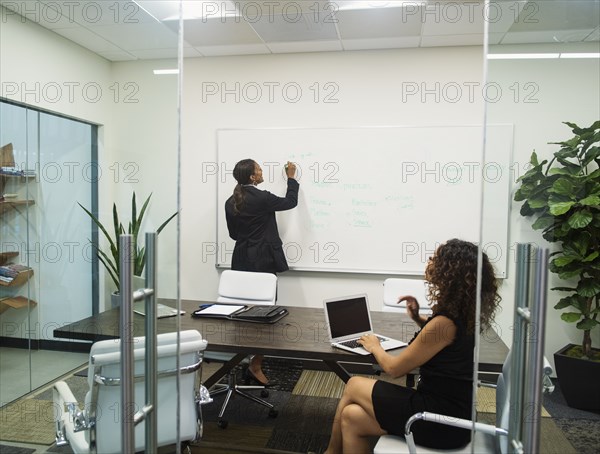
{"x":232,"y":388}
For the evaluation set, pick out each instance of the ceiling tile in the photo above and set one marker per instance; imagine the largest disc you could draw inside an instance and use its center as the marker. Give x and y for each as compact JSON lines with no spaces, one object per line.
{"x":594,"y":36}
{"x":287,"y":28}
{"x":546,"y":36}
{"x":138,"y":36}
{"x":307,"y":46}
{"x":558,"y":15}
{"x":240,"y":49}
{"x":381,"y":43}
{"x":116,"y":56}
{"x":153,"y":54}
{"x":289,"y":8}
{"x":91,"y":13}
{"x":216,"y":32}
{"x":502,"y":15}
{"x":452,"y":18}
{"x":88,"y":39}
{"x":378,"y":23}
{"x":452,"y":40}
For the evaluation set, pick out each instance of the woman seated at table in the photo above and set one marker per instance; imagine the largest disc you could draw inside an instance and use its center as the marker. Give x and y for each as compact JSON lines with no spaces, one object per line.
{"x":442,"y":349}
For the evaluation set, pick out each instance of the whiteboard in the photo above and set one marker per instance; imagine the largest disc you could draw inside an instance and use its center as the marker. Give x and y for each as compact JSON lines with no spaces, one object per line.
{"x":376,"y":199}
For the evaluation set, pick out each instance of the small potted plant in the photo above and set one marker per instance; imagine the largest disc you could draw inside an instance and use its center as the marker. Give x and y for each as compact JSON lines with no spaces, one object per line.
{"x":138,"y":254}
{"x":563,"y":196}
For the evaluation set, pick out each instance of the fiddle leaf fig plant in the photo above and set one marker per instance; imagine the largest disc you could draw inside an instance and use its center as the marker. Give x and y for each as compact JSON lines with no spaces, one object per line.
{"x":563,"y":197}
{"x":110,"y":260}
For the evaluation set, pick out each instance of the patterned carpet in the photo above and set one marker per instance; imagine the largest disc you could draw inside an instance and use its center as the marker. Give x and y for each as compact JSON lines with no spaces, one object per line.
{"x":306,"y":401}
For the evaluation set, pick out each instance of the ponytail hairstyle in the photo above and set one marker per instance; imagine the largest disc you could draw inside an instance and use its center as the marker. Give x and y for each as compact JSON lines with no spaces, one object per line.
{"x":242,"y":172}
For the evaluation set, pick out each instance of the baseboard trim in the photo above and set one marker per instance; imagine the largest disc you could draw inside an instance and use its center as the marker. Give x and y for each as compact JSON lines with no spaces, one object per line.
{"x":37,"y":344}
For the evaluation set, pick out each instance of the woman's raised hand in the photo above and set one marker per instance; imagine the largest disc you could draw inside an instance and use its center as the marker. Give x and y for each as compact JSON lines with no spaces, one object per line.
{"x":290,"y":169}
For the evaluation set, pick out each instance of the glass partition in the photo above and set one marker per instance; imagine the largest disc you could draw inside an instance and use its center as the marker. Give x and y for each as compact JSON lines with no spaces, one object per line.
{"x":543,"y":62}
{"x":47,"y":264}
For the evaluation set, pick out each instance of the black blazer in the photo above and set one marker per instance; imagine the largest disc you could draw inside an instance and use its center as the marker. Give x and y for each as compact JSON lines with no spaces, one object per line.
{"x":258,"y":246}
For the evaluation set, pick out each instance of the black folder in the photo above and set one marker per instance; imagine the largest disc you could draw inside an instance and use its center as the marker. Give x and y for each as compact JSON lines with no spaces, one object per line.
{"x":254,"y":314}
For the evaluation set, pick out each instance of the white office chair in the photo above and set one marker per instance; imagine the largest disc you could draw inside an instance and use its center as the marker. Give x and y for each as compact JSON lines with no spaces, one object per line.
{"x":396,"y":287}
{"x":247,"y":287}
{"x":487,"y":439}
{"x":96,"y":428}
{"x":243,"y":287}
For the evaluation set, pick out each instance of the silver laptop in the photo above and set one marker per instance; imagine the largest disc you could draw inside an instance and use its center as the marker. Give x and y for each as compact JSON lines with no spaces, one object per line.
{"x":348,"y":318}
{"x":162,"y":310}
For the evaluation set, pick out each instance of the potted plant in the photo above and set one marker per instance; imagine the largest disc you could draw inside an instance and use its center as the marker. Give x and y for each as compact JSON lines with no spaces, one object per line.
{"x":138,"y":254}
{"x":563,"y":196}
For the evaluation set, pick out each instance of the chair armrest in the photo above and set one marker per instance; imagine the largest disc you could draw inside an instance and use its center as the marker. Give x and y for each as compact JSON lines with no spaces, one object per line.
{"x":448,"y":421}
{"x":62,"y":395}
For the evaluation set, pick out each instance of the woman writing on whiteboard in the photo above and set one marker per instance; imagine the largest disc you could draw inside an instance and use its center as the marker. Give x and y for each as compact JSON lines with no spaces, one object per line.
{"x":250,"y":214}
{"x":442,"y":349}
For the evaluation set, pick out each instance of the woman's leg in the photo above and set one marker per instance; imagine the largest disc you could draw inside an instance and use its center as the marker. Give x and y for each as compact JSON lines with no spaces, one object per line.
{"x":354,"y":418}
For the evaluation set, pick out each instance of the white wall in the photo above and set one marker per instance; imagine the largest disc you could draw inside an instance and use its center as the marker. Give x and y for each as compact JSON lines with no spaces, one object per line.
{"x":370,"y":88}
{"x":544,"y":94}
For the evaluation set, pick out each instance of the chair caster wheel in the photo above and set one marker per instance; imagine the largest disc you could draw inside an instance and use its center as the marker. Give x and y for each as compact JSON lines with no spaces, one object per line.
{"x":273,"y":413}
{"x":222,"y":423}
{"x":264,"y":393}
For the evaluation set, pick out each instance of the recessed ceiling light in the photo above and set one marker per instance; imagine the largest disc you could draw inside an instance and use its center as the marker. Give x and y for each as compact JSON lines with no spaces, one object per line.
{"x":521,"y":56}
{"x":543,"y":56}
{"x":580,"y":55}
{"x":161,"y":72}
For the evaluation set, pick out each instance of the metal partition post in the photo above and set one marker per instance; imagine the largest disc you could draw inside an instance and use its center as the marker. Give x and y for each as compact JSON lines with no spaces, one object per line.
{"x":126,"y":334}
{"x":151,"y":347}
{"x":534,"y":382}
{"x":519,"y":337}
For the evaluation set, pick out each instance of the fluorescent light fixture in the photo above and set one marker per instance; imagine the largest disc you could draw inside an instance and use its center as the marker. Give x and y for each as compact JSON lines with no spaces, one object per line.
{"x":581,"y":55}
{"x":345,"y":5}
{"x":541,"y":56}
{"x":161,"y":72}
{"x":520,"y":56}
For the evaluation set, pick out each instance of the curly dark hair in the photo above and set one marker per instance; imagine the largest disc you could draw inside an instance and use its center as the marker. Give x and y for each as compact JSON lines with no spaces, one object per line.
{"x":451,"y":276}
{"x":242,"y":172}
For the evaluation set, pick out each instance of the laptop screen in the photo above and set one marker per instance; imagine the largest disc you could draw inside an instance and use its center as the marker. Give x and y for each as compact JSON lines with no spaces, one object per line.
{"x":348,"y":316}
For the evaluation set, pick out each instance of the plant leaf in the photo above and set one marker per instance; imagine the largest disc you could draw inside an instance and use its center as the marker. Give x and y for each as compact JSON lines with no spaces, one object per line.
{"x":558,"y":208}
{"x":587,"y":324}
{"x":590,"y":200}
{"x":564,"y":260}
{"x":580,"y":219}
{"x":543,"y":222}
{"x":563,"y":186}
{"x":570,"y":317}
{"x":588,"y":287}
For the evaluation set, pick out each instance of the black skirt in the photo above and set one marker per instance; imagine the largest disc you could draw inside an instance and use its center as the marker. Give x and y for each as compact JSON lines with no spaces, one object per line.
{"x":394,"y":405}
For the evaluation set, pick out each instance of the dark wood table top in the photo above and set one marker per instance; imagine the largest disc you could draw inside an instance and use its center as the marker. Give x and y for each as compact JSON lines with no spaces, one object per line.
{"x":301,"y":334}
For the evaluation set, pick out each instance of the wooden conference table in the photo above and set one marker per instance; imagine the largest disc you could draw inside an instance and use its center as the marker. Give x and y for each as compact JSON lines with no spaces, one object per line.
{"x":301,"y":334}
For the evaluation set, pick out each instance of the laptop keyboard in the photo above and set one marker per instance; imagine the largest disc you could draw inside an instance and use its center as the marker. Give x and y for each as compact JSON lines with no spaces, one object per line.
{"x":353,"y":343}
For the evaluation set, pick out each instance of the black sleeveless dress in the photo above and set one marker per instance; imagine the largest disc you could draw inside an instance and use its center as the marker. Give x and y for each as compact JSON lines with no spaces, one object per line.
{"x":445,"y":386}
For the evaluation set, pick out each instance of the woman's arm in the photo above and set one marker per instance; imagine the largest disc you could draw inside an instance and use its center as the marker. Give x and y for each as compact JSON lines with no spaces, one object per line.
{"x":437,"y":334}
{"x":412,"y":309}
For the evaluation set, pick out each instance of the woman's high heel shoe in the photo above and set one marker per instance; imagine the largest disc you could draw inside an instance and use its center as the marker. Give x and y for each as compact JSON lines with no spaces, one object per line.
{"x":249,"y":378}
